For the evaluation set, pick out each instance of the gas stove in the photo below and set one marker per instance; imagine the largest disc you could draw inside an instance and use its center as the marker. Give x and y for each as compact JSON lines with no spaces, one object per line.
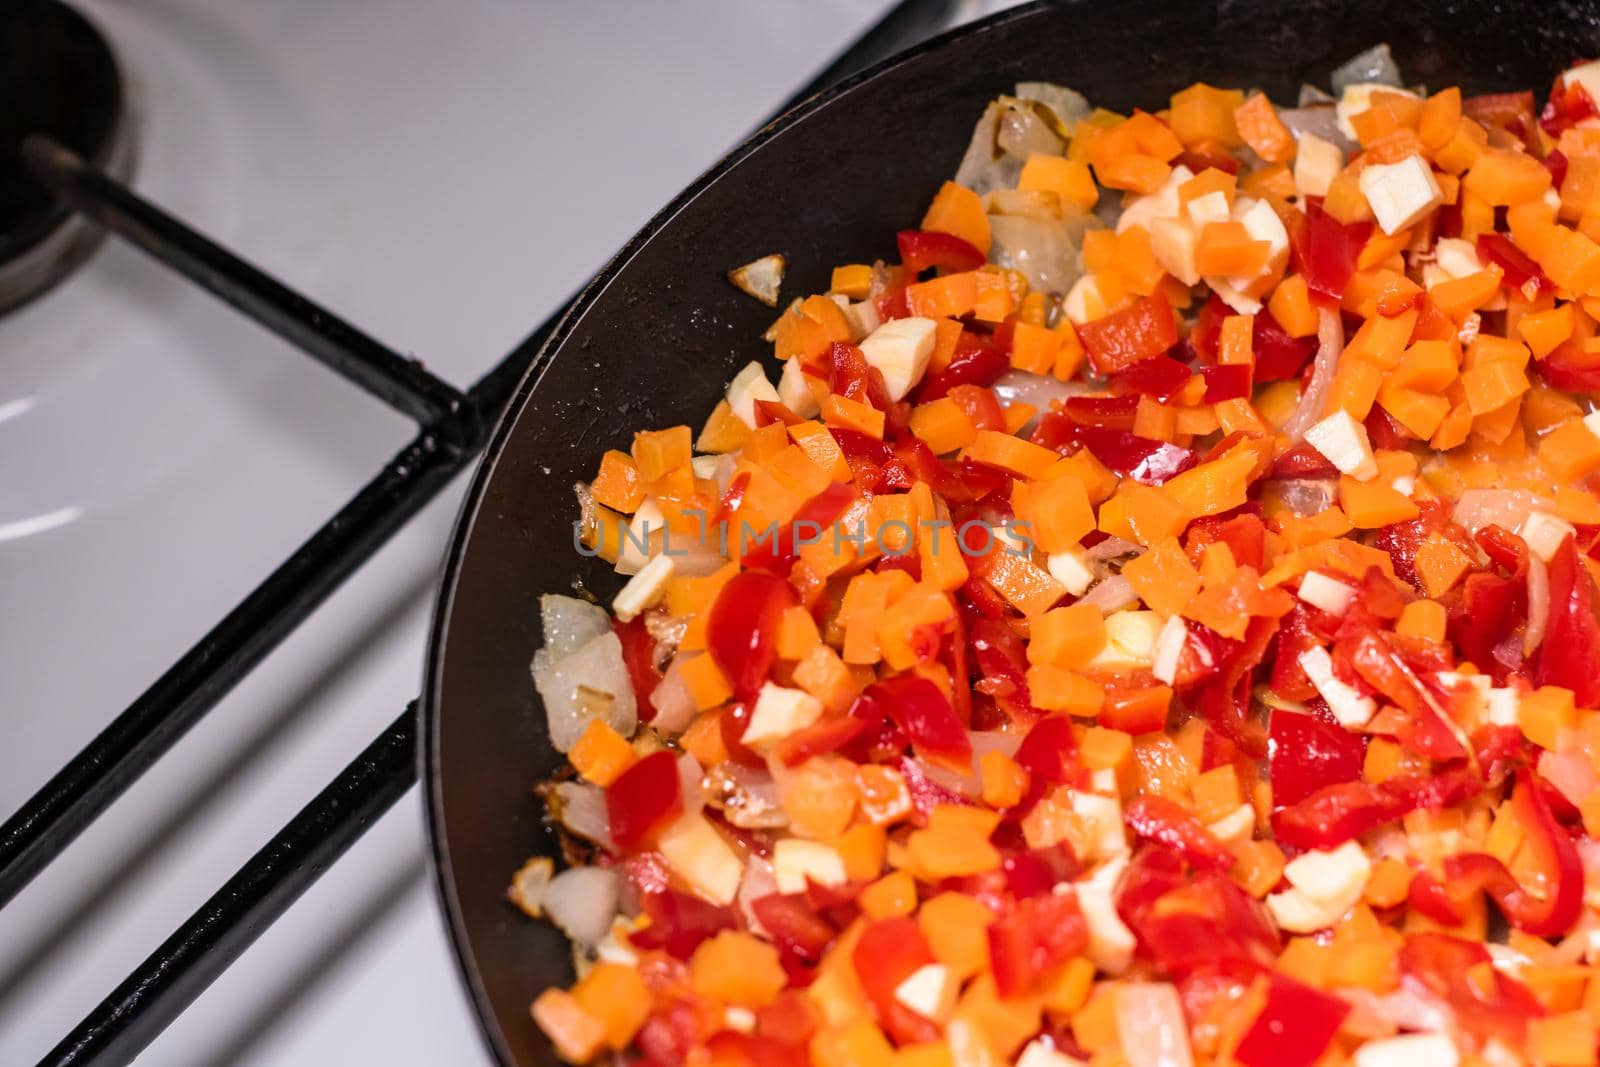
{"x":446,"y":176}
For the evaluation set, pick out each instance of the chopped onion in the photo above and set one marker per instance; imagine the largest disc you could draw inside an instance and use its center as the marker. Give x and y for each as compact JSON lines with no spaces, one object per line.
{"x":570,"y":623}
{"x":1569,"y":771}
{"x":1538,"y":605}
{"x":690,"y":789}
{"x":1114,"y":548}
{"x":673,"y":701}
{"x":1067,"y":106}
{"x":984,"y":166}
{"x":1021,"y":132}
{"x":746,"y":796}
{"x":1375,"y":66}
{"x":589,"y":683}
{"x":582,"y":901}
{"x":1151,"y":1027}
{"x":1307,"y":496}
{"x":1508,"y":508}
{"x":1042,"y":391}
{"x":581,"y":809}
{"x":1410,"y":1010}
{"x":1312,"y":94}
{"x":759,"y":881}
{"x":1330,"y":346}
{"x":528,"y":886}
{"x":1113,"y":594}
{"x":1318,"y":120}
{"x":983,"y":742}
{"x":1043,"y":250}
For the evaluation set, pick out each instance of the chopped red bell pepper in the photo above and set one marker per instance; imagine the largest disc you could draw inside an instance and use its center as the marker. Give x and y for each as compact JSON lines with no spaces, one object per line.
{"x":819,"y":739}
{"x":1224,"y":700}
{"x":771,"y":411}
{"x":1193,"y":921}
{"x":1037,"y":871}
{"x":1166,"y":822}
{"x":887,"y":953}
{"x":921,"y":249}
{"x":979,"y":404}
{"x":1566,"y":368}
{"x":1240,"y":529}
{"x":1327,"y":252}
{"x":1303,"y":461}
{"x":1384,"y":432}
{"x":1144,"y":459}
{"x":999,"y":655}
{"x":873,"y":463}
{"x":1207,"y":329}
{"x":1569,"y":656}
{"x":926,"y":794}
{"x":729,"y":1048}
{"x":1569,"y":104}
{"x":1104,"y":412}
{"x":1136,"y":710}
{"x":1519,"y":266}
{"x":1116,"y":341}
{"x":679,"y":922}
{"x":974,"y":363}
{"x":1041,"y":933}
{"x":777,"y":554}
{"x":1379,"y":658}
{"x":742,"y":631}
{"x":926,"y":718}
{"x":1048,"y":752}
{"x":1338,"y":813}
{"x":1551,"y":851}
{"x":639,"y":655}
{"x":1279,"y":357}
{"x":1556,"y":164}
{"x":1512,"y":112}
{"x":1457,"y":975}
{"x":1158,"y":376}
{"x":1308,"y":752}
{"x":1402,"y":539}
{"x":794,"y":925}
{"x":1294,"y":1027}
{"x":643,"y":799}
{"x":1226,"y":381}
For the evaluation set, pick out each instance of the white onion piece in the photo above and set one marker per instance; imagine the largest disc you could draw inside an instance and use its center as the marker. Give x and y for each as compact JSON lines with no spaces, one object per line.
{"x":1068,"y":105}
{"x":1507,"y":508}
{"x":1114,"y":548}
{"x":983,"y":742}
{"x":1538,"y":605}
{"x":1375,"y":66}
{"x":984,"y":166}
{"x":759,"y":881}
{"x":570,"y":623}
{"x":690,"y":776}
{"x":1569,"y":771}
{"x":1330,"y":346}
{"x":693,"y":559}
{"x":1307,"y":496}
{"x":1020,"y":133}
{"x":747,"y":796}
{"x":1151,"y":1027}
{"x":529,"y":884}
{"x":674,"y":703}
{"x":589,"y":683}
{"x":986,"y":741}
{"x":1410,"y":1010}
{"x":582,"y":810}
{"x":582,"y":901}
{"x":1318,"y":120}
{"x":1043,"y":391}
{"x":1042,"y":249}
{"x":968,"y":785}
{"x":1113,"y":594}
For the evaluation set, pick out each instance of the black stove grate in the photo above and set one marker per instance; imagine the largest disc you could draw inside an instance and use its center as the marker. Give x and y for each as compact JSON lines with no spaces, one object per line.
{"x":453,"y":427}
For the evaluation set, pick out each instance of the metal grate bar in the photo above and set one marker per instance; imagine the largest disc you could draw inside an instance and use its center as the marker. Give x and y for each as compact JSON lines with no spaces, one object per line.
{"x":398,"y":381}
{"x":242,"y":910}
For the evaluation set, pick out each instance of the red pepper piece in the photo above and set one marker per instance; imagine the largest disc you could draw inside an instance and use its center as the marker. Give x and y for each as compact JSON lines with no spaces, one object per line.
{"x":1338,"y":813}
{"x":1294,"y":1028}
{"x":1200,"y":922}
{"x":873,"y":463}
{"x":679,"y":922}
{"x":1104,"y":412}
{"x":1143,"y":331}
{"x":1279,"y":357}
{"x":1379,"y":659}
{"x":979,"y":404}
{"x":1570,"y":653}
{"x":643,"y":798}
{"x":1519,"y":266}
{"x":1197,"y":160}
{"x":1402,"y":539}
{"x":1032,"y":873}
{"x":794,"y":925}
{"x":1225,"y":699}
{"x":1512,"y":112}
{"x":742,"y":632}
{"x":1565,"y":368}
{"x":1241,"y":530}
{"x":1041,"y":933}
{"x":1139,"y":710}
{"x":1048,"y":751}
{"x":1207,"y":329}
{"x":1303,"y":461}
{"x":926,"y":718}
{"x":1000,"y":657}
{"x":1328,"y":251}
{"x":1308,"y":752}
{"x":1155,"y":818}
{"x":1384,"y":432}
{"x":1569,"y":104}
{"x":1456,"y":975}
{"x":818,"y":740}
{"x":1159,"y":376}
{"x":847,"y":371}
{"x":1227,"y":381}
{"x":789,"y":1020}
{"x":974,"y":363}
{"x":1556,"y":164}
{"x":1144,"y":459}
{"x":886,"y":955}
{"x":893,"y":304}
{"x":777,"y":554}
{"x":771,"y":411}
{"x":921,"y":249}
{"x":639,"y":655}
{"x":926,"y":794}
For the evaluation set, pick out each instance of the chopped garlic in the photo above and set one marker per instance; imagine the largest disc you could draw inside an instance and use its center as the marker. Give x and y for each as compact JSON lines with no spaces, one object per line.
{"x":1345,"y":701}
{"x":740,"y":1020}
{"x":779,"y":712}
{"x":1586,"y":75}
{"x":1328,"y":594}
{"x":900,"y":350}
{"x":644,"y":590}
{"x":748,"y":386}
{"x":1334,"y":877}
{"x":1458,"y":258}
{"x":1039,"y":1053}
{"x":1343,"y":441}
{"x":1071,"y":569}
{"x":1400,"y":194}
{"x":1084,"y":302}
{"x":1173,"y":243}
{"x":1316,"y":164}
{"x":1500,"y":706}
{"x":1130,"y":641}
{"x":796,"y":860}
{"x":1591,"y":422}
{"x":1212,"y":207}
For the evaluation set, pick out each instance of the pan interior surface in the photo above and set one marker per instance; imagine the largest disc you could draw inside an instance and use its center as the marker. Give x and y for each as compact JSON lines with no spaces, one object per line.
{"x":656,"y":339}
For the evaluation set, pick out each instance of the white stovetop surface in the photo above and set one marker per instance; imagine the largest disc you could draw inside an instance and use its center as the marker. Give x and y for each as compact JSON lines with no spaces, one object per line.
{"x":443,"y":174}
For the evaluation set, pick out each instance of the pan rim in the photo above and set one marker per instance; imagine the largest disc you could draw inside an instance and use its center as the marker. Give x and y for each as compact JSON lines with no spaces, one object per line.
{"x":430,"y":705}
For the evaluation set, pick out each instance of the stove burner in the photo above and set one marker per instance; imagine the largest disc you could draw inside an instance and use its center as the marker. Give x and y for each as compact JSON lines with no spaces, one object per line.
{"x":57,"y":77}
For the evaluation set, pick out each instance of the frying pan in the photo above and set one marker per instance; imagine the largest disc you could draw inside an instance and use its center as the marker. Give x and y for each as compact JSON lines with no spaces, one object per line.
{"x":655,"y":338}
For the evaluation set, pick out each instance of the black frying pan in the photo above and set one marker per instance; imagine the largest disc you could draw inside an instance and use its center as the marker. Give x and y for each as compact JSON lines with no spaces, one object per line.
{"x":655,"y":339}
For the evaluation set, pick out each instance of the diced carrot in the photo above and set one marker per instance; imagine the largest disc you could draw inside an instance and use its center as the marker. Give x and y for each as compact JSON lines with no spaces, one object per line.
{"x":1094,"y":1026}
{"x":1227,"y":249}
{"x":1490,"y":386}
{"x":1274,"y":181}
{"x":942,"y":425}
{"x":1204,"y":113}
{"x":943,"y":565}
{"x":1381,"y":340}
{"x":723,"y":432}
{"x":853,"y":280}
{"x":1216,"y":793}
{"x":1004,"y":780}
{"x":1570,"y":451}
{"x":1441,"y":113}
{"x":1219,"y":485}
{"x":1209,"y":180}
{"x":1067,"y":637}
{"x":617,"y":484}
{"x":1571,"y":260}
{"x":955,"y":842}
{"x":1057,"y":511}
{"x":1133,"y":171}
{"x":1070,"y":353}
{"x":1098,"y":482}
{"x":601,"y":754}
{"x":947,"y":296}
{"x":703,"y":739}
{"x":615,"y":994}
{"x":1026,"y":587}
{"x":1459,"y":296}
{"x":1441,"y":563}
{"x":1545,"y":713}
{"x":955,"y":926}
{"x":1380,"y":247}
{"x":1419,"y":413}
{"x":1258,"y":866}
{"x":947,"y":334}
{"x":1011,"y":454}
{"x":656,"y":452}
{"x":1466,"y":143}
{"x":1059,"y":689}
{"x":959,"y":211}
{"x":1391,"y":147}
{"x":1259,"y":126}
{"x":1345,"y":202}
{"x":1142,"y":513}
{"x":1104,"y":749}
{"x":847,"y":414}
{"x":908,"y":630}
{"x":1427,"y":366}
{"x":1355,"y":386}
{"x":995,"y":301}
{"x":1372,"y":505}
{"x":893,"y":895}
{"x":705,"y":680}
{"x":1291,"y":307}
{"x":820,"y":447}
{"x":1068,"y":179}
{"x":855,"y":1044}
{"x":1543,"y":331}
{"x":1034,"y":348}
{"x":1564,"y":1040}
{"x":1154,"y":420}
{"x":1163,"y":577}
{"x":1234,"y":342}
{"x":1453,"y":431}
{"x":577,"y":1036}
{"x":1502,"y":177}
